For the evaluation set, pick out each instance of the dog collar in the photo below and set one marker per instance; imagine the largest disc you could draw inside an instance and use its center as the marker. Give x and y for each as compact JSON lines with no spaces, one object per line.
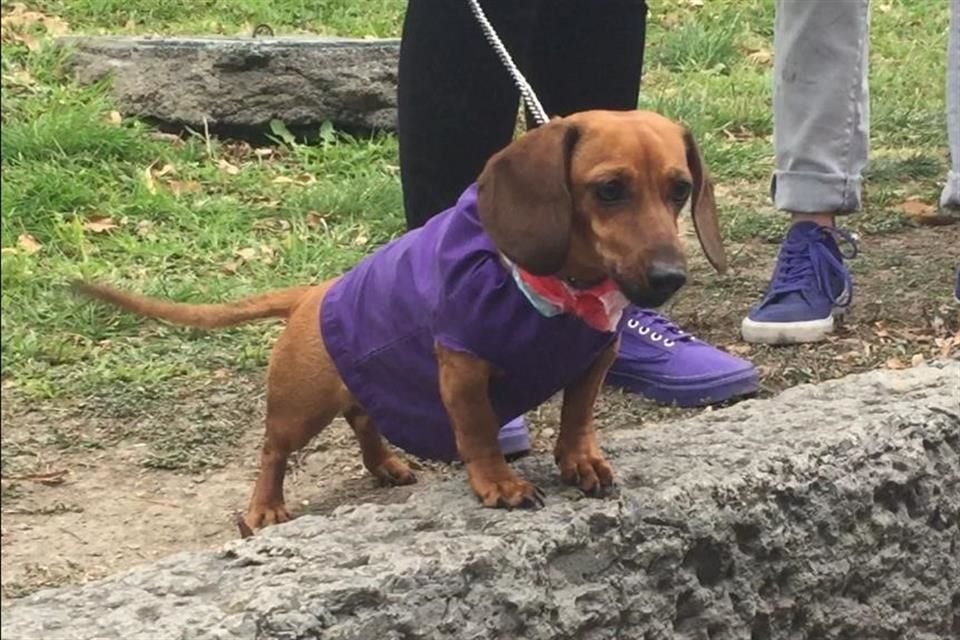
{"x":600,"y":306}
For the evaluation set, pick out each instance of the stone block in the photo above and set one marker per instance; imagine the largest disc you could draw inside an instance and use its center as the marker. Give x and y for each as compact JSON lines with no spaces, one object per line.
{"x":830,"y":511}
{"x":244,"y":83}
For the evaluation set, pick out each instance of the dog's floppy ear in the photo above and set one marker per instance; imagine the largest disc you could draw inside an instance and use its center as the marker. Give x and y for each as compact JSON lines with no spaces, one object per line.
{"x":524,"y":198}
{"x":704,"y":207}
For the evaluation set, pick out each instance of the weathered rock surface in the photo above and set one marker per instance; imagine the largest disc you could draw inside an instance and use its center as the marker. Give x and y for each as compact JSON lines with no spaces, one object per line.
{"x":244,"y":83}
{"x":831,"y":511}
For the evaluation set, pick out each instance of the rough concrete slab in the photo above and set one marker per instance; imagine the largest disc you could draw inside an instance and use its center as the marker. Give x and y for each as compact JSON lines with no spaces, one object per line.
{"x":831,"y":511}
{"x":244,"y":83}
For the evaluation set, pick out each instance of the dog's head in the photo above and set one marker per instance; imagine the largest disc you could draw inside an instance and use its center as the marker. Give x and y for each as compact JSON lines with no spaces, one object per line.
{"x":597,"y":195}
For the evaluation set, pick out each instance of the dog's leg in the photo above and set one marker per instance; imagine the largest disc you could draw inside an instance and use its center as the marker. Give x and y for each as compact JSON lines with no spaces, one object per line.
{"x":577,"y":452}
{"x":304,"y":394}
{"x":379,"y":460}
{"x":294,"y":416}
{"x":464,"y":380}
{"x":285,"y":434}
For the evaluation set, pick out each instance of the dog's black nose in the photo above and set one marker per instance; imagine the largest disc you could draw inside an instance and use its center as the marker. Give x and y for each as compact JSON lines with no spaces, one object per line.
{"x":665,"y":278}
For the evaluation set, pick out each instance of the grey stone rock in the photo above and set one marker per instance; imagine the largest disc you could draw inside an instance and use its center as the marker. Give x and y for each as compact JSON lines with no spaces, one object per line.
{"x":831,"y":511}
{"x":244,"y":83}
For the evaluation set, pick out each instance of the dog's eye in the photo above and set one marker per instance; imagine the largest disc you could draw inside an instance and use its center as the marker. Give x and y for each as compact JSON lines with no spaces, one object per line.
{"x":679,"y":192}
{"x":611,"y":191}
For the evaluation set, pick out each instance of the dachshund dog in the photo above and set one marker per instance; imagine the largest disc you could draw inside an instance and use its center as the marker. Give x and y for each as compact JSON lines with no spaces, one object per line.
{"x":498,"y":303}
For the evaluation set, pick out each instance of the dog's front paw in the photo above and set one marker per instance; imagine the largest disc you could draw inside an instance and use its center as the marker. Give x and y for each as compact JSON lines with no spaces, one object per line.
{"x":587,"y":470}
{"x":259,"y":516}
{"x":512,"y":493}
{"x":394,"y":472}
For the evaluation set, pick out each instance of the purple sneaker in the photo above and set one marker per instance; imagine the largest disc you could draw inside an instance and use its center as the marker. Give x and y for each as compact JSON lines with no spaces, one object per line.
{"x":514,"y":439}
{"x":810,"y":286}
{"x":668,"y":365}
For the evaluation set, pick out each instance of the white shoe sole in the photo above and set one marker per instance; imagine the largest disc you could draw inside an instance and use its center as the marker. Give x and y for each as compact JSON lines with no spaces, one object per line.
{"x":786,"y":332}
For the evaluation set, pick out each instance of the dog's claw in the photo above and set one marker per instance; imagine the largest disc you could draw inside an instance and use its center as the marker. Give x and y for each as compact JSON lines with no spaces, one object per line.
{"x":590,"y":473}
{"x":245,"y":530}
{"x":597,"y":491}
{"x":534,"y":502}
{"x":601,"y":490}
{"x":393,"y":472}
{"x":510,"y":495}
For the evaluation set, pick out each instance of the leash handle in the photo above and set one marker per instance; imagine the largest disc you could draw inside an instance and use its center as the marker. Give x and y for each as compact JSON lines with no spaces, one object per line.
{"x":529,"y":98}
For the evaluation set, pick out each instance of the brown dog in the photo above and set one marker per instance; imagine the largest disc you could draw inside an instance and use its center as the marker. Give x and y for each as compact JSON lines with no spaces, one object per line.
{"x":592,"y":196}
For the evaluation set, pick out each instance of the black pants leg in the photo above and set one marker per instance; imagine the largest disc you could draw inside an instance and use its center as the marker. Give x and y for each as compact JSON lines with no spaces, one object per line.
{"x":588,"y":54}
{"x":457,"y":105}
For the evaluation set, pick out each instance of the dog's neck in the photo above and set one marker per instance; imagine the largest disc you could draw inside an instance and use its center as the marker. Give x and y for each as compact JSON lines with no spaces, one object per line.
{"x":600,"y":304}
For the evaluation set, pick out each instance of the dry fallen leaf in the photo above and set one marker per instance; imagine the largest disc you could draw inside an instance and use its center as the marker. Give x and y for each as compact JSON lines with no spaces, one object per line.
{"x":272,"y":224}
{"x":895,"y":363}
{"x":238,"y":150}
{"x":148,"y":180}
{"x":228,"y":168}
{"x":28,"y":244}
{"x":26,"y":40}
{"x":916,"y":207}
{"x":946,"y":345}
{"x":760,"y":56}
{"x":248,"y":253}
{"x":172,"y":138}
{"x":144,"y":228}
{"x":166,"y":170}
{"x":303,"y":179}
{"x":267,"y":254}
{"x":21,"y":78}
{"x":316,"y":221}
{"x":926,"y":214}
{"x":18,"y":21}
{"x":100,"y":224}
{"x":847,"y":356}
{"x":739,"y":349}
{"x":180,"y":187}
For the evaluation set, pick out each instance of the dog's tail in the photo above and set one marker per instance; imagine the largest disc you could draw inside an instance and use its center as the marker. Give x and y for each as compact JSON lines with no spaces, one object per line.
{"x":273,"y":304}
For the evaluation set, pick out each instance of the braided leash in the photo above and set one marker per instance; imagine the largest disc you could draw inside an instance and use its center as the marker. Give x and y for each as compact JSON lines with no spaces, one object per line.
{"x":529,"y":98}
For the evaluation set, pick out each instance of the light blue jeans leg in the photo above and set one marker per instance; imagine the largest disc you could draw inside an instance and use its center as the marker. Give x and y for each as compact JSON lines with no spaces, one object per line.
{"x":821,"y":104}
{"x":951,"y":191}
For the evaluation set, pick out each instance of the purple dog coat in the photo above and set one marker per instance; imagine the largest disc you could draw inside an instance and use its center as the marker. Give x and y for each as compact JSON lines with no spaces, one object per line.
{"x":445,"y":284}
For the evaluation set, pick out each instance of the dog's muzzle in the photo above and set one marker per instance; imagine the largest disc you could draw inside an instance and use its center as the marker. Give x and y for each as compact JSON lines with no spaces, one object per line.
{"x":662,"y":281}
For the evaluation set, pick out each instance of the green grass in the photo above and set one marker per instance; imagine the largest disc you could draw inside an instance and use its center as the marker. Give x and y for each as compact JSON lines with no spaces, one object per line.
{"x":217,"y":219}
{"x":359,"y":18}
